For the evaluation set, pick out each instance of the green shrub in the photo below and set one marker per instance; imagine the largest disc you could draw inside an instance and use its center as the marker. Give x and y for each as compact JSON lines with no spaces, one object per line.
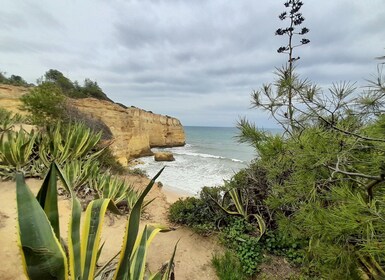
{"x":14,"y":80}
{"x":139,"y":172}
{"x":202,"y":214}
{"x":280,"y":245}
{"x":193,"y":212}
{"x":45,"y":104}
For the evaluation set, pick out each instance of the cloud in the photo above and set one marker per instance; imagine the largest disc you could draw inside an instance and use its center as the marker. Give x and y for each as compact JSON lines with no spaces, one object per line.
{"x":196,"y":60}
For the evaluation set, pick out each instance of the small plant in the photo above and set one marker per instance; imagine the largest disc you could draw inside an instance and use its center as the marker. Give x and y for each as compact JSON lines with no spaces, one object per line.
{"x":109,"y":186}
{"x":227,"y":266}
{"x":277,"y":244}
{"x":138,"y":171}
{"x":202,"y":214}
{"x":8,"y":120}
{"x":241,"y":209}
{"x":238,"y":236}
{"x":16,"y":152}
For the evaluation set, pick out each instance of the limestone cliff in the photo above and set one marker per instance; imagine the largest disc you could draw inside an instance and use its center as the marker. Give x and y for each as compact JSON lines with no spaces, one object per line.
{"x":135,"y":131}
{"x":9,"y":97}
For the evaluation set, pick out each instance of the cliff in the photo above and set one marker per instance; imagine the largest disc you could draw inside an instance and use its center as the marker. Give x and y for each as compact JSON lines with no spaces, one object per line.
{"x":134,"y":131}
{"x":9,"y":97}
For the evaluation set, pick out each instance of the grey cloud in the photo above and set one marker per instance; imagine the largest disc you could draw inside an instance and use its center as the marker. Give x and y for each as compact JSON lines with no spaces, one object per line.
{"x":196,"y":60}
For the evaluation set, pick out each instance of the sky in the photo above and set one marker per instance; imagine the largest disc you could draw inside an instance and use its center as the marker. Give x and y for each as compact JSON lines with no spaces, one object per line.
{"x":196,"y":60}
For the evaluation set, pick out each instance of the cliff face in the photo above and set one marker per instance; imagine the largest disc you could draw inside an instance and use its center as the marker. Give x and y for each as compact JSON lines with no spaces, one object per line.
{"x":9,"y":97}
{"x":135,"y":131}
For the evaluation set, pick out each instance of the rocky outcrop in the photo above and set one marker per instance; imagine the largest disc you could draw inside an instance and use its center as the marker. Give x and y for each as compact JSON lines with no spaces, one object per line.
{"x":134,"y":131}
{"x":163,"y":156}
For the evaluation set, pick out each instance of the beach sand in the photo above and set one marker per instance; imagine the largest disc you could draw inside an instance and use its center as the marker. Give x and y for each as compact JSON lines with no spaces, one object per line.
{"x":194,"y":252}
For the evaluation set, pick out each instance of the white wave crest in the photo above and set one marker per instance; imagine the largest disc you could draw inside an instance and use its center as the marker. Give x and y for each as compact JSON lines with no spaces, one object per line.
{"x":205,"y":155}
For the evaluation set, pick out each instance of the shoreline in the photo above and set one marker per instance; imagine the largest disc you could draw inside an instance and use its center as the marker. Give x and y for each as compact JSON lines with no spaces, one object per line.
{"x":173,"y":194}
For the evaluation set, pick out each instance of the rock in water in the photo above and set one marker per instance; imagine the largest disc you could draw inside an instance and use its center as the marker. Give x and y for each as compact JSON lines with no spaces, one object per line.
{"x":163,"y":156}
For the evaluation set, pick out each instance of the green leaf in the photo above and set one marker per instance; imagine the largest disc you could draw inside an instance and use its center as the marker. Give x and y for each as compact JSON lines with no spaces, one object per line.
{"x":47,"y":197}
{"x":43,"y":256}
{"x":90,"y":238}
{"x":123,"y":270}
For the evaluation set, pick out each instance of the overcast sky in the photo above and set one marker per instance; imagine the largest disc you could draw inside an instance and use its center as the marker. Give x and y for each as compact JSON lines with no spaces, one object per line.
{"x":197,"y":60}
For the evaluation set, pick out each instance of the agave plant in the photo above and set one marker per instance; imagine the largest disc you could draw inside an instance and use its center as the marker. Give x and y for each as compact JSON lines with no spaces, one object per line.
{"x":7,"y":120}
{"x":79,"y":172}
{"x":109,"y":186}
{"x":241,"y":209}
{"x":63,"y":144}
{"x":39,"y":235}
{"x":16,"y":150}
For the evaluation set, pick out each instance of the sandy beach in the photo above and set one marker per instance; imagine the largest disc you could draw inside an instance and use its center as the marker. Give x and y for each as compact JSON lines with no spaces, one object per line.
{"x":194,"y":253}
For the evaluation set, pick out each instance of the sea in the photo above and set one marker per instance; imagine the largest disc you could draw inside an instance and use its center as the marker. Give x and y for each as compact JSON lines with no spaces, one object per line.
{"x":211,"y":156}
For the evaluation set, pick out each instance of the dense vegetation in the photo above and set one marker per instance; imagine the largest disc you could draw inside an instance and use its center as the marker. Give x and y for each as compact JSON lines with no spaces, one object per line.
{"x":56,"y":78}
{"x":319,"y":186}
{"x":73,"y":89}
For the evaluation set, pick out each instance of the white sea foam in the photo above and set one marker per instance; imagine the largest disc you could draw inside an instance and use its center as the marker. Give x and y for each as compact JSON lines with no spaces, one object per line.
{"x":201,"y":162}
{"x":206,"y":156}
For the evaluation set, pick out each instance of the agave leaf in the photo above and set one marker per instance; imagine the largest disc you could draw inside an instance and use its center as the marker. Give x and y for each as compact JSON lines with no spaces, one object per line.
{"x":123,"y":269}
{"x":261,"y":225}
{"x":47,"y":197}
{"x":74,"y":243}
{"x":170,"y":266}
{"x":43,"y":255}
{"x":167,"y":274}
{"x":137,"y":263}
{"x":239,"y":204}
{"x":90,"y":238}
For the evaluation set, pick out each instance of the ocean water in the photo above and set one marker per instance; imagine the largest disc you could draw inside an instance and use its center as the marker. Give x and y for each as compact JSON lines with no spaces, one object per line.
{"x":210,"y":156}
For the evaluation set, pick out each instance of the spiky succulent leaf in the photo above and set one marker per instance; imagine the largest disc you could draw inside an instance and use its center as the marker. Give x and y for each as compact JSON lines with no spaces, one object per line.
{"x":43,"y":256}
{"x":132,"y":229}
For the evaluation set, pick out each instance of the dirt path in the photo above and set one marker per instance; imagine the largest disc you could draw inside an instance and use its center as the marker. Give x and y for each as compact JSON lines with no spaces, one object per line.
{"x":193,"y":255}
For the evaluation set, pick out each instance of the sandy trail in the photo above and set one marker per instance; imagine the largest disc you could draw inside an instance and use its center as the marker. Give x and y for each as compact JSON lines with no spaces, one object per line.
{"x":193,"y":255}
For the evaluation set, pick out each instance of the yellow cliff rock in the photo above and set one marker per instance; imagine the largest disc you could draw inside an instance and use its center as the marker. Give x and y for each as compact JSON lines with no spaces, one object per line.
{"x":135,"y":131}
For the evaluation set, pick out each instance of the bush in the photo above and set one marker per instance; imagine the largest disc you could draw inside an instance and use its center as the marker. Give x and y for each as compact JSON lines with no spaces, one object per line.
{"x":192,"y":212}
{"x":280,"y":245}
{"x":202,"y":214}
{"x":140,"y":172}
{"x":45,"y":104}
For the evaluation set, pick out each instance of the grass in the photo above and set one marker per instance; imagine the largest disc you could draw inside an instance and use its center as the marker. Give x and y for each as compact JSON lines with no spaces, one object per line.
{"x":227,"y":267}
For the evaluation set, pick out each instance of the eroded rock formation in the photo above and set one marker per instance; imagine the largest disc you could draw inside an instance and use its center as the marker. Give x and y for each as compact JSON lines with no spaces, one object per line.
{"x":135,"y":131}
{"x":163,"y":156}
